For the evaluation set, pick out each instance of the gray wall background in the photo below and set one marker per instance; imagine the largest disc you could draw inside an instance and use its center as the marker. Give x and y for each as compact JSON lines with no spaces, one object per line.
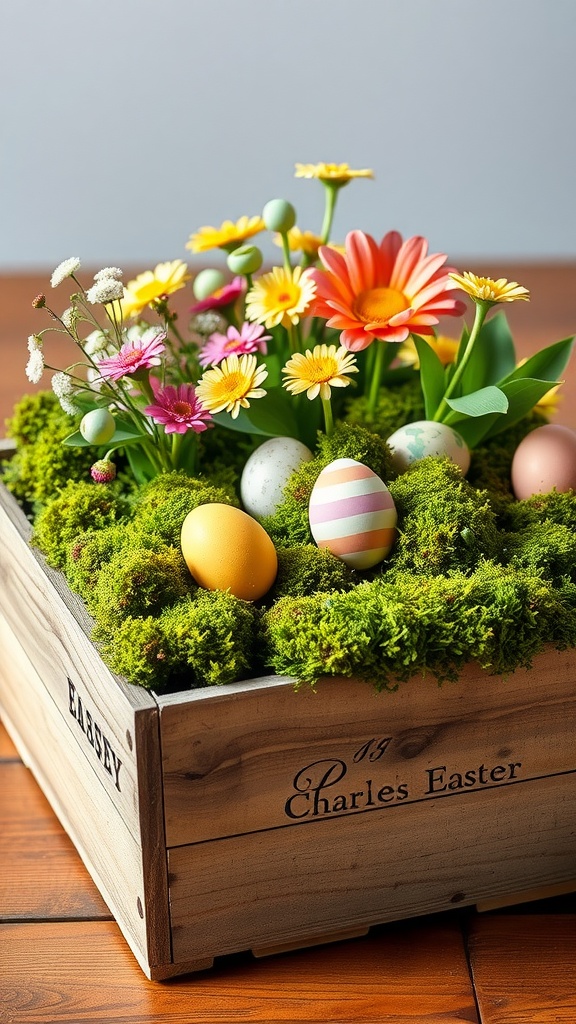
{"x":127,"y":124}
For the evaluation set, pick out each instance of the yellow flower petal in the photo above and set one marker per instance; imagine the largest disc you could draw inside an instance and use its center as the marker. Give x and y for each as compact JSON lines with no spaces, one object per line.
{"x":485,"y":289}
{"x":228,"y":235}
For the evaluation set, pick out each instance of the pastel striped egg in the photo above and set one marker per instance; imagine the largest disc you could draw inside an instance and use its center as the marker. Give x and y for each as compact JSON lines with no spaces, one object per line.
{"x":352,"y":514}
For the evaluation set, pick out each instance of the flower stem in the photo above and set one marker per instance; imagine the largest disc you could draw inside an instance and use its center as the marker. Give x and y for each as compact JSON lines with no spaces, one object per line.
{"x":377,"y":368}
{"x":331,"y":194}
{"x":328,"y":417}
{"x":479,"y":317}
{"x":286,"y":251}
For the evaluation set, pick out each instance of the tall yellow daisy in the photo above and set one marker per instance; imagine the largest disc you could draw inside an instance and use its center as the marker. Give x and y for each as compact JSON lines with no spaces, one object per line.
{"x":229,"y":386}
{"x":301,"y":241}
{"x":445,"y":348}
{"x":335,"y":174}
{"x":152,"y":285}
{"x":280,"y":297}
{"x":319,"y":370}
{"x":228,"y":236}
{"x":485,"y":289}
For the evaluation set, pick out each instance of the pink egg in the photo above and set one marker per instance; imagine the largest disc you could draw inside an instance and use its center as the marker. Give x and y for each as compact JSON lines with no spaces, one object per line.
{"x":545,"y":461}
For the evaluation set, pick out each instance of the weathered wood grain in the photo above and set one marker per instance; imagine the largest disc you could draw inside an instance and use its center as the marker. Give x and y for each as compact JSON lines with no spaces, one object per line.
{"x":85,"y":973}
{"x":524,"y":968}
{"x":42,"y":877}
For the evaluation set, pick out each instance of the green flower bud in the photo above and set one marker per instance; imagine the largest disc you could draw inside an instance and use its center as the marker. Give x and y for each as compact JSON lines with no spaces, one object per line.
{"x":98,"y":426}
{"x":245,"y":260}
{"x":207,"y":282}
{"x":279,"y":215}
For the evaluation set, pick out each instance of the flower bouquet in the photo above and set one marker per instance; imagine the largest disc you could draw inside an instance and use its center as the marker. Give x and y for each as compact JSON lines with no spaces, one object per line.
{"x":308,"y":477}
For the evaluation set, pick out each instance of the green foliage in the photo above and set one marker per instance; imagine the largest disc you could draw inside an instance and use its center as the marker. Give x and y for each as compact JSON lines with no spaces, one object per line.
{"x":79,"y":507}
{"x":87,"y":554}
{"x":202,"y":641}
{"x":444,"y":522}
{"x":307,"y":569}
{"x":42,"y":465}
{"x":288,"y":526}
{"x":162,"y":505}
{"x":397,"y":405}
{"x":548,"y":548}
{"x":492,"y":461}
{"x":139,"y":582}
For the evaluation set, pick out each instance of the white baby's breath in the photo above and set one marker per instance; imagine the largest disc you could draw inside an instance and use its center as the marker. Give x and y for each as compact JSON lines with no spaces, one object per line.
{"x":69,"y":318}
{"x":208,"y":322}
{"x":63,"y":388}
{"x":108,"y":272}
{"x":35,"y":365}
{"x":34,"y":342}
{"x":64,"y":270}
{"x":106,"y":290}
{"x":97,"y":343}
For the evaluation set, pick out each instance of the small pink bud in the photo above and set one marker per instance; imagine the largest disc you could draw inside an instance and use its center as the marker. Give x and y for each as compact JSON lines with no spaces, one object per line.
{"x":103,"y":471}
{"x":39,"y":302}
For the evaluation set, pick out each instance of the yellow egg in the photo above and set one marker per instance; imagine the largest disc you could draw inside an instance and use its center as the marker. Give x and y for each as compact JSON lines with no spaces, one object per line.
{"x":225,"y":549}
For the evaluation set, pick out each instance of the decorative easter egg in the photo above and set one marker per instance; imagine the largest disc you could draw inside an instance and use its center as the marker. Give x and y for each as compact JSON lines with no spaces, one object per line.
{"x":545,"y":460}
{"x":352,"y":514}
{"x":267,"y":471}
{"x":425,"y":437}
{"x":98,"y":426}
{"x":225,"y":549}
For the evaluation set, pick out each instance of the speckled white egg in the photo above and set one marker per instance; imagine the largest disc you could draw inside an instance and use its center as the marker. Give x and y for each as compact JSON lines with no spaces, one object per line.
{"x":425,"y":437}
{"x":267,"y":471}
{"x":352,"y":514}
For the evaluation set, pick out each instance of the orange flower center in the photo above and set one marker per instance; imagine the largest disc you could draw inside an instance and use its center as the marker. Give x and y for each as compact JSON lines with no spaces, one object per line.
{"x":182,"y":408}
{"x":284,"y":298}
{"x":378,"y":305}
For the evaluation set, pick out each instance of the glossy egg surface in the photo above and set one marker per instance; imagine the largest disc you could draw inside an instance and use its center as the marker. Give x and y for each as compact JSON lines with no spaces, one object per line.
{"x":425,"y":437}
{"x":225,"y":549}
{"x":352,"y":514}
{"x":545,"y":461}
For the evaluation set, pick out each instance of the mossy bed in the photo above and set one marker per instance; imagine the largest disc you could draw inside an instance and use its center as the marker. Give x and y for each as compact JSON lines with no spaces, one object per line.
{"x":474,"y":574}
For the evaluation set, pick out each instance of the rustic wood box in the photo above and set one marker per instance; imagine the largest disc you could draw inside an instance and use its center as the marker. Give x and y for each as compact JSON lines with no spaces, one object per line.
{"x":252,"y":816}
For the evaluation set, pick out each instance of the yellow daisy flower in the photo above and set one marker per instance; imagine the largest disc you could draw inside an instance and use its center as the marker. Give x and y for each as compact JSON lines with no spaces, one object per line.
{"x":228,"y":386}
{"x":301,"y":241}
{"x":335,"y":174}
{"x":280,"y":297}
{"x":485,"y":289}
{"x":228,"y":236}
{"x":316,"y":371}
{"x":445,"y":348}
{"x":152,"y":285}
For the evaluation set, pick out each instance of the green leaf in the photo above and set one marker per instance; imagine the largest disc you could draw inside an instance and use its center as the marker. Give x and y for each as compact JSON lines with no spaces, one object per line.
{"x":120,"y":438}
{"x":271,"y":416}
{"x":548,"y":364}
{"x":493,"y":355}
{"x":432,"y":376}
{"x":522,"y":397}
{"x":480,"y":403}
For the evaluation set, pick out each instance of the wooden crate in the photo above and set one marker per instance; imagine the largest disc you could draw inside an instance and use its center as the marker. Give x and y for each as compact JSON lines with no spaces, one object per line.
{"x":252,"y":816}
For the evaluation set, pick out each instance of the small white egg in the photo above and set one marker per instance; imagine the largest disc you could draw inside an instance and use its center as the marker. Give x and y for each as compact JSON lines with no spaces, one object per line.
{"x":267,"y":471}
{"x":425,"y":437}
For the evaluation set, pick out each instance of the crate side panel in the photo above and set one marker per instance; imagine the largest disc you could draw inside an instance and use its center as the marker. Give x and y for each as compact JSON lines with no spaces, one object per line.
{"x":251,"y":758}
{"x":290,"y":884}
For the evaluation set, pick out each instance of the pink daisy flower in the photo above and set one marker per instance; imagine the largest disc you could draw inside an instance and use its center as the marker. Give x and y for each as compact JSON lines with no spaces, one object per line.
{"x":138,"y":354}
{"x":178,"y":409}
{"x":250,"y":338}
{"x":221,"y":297}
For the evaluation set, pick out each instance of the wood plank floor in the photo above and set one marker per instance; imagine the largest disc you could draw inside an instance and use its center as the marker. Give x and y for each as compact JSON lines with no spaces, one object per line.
{"x":63,"y":959}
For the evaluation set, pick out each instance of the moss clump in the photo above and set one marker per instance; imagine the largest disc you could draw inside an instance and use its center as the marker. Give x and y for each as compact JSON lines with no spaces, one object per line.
{"x":387,"y":631}
{"x":492,"y":462}
{"x":201,"y":641}
{"x":305,"y":570}
{"x":162,"y":505}
{"x":88,"y":553}
{"x":553,"y":507}
{"x":42,"y":465}
{"x":78,"y":507}
{"x":398,"y":404}
{"x":288,"y":526}
{"x":546,"y":548}
{"x":444,"y":523}
{"x":138,"y":582}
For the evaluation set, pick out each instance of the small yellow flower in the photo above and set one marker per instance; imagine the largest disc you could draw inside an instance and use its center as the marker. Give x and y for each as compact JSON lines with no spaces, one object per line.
{"x":335,"y":174}
{"x":445,"y":348}
{"x":227,"y":387}
{"x":280,"y":297}
{"x":316,"y":371}
{"x":301,"y":241}
{"x":548,"y":404}
{"x":152,"y":285}
{"x":228,"y":236}
{"x":484,"y":289}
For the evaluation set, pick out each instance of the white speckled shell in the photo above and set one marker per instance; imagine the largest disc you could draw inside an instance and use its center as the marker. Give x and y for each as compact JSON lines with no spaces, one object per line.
{"x":425,"y":437}
{"x":267,"y":471}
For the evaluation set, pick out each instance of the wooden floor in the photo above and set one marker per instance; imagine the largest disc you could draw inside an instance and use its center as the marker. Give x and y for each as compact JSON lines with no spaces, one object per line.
{"x":62,"y":958}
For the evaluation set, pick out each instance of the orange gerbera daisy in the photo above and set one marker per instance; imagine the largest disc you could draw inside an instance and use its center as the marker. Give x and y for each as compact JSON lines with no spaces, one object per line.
{"x":385,"y":291}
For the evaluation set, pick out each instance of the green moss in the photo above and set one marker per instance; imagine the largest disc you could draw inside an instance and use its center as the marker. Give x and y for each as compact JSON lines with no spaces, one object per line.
{"x":443,"y":522}
{"x":42,"y":465}
{"x":307,"y":569}
{"x":139,"y":582}
{"x":289,"y":526}
{"x":162,"y":505}
{"x":553,"y":507}
{"x":202,"y":641}
{"x":491,"y":463}
{"x":78,"y":507}
{"x":548,"y":548}
{"x":88,"y":552}
{"x":397,"y":404}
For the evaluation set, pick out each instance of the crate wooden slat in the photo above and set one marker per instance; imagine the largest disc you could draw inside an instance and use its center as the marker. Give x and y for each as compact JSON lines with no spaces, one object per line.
{"x":252,"y":816}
